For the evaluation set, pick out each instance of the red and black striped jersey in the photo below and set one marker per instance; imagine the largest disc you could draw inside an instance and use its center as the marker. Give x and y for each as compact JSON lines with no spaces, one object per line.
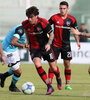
{"x":37,"y":33}
{"x":62,"y":29}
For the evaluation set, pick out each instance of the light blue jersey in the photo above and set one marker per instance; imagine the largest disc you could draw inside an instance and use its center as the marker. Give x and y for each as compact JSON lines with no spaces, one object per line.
{"x":18,"y":32}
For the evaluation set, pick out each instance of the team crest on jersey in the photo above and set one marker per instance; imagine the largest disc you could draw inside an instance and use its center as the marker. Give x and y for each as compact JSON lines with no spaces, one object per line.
{"x":68,"y":23}
{"x":38,"y":29}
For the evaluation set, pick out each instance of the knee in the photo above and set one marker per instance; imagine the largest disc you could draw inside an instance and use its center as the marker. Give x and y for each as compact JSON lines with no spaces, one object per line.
{"x":67,"y":64}
{"x":18,"y":72}
{"x":53,"y":67}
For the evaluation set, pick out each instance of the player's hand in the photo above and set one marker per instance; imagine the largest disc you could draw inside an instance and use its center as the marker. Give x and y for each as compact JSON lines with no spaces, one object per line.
{"x":3,"y":60}
{"x":79,"y":46}
{"x":26,"y":46}
{"x":47,"y":47}
{"x":74,"y":31}
{"x":89,"y":70}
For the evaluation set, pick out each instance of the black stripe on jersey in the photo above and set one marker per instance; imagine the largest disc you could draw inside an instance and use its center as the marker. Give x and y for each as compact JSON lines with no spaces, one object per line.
{"x":47,"y":29}
{"x":19,"y":30}
{"x":44,"y":21}
{"x":51,"y":21}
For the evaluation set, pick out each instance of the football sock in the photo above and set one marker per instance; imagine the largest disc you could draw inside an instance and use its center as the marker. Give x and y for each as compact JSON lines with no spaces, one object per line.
{"x":42,"y":74}
{"x":50,"y":75}
{"x":57,"y":73}
{"x":8,"y":73}
{"x":15,"y":79}
{"x":67,"y":75}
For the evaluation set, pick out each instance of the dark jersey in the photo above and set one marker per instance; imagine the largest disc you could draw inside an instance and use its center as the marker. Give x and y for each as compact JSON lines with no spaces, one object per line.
{"x":37,"y":33}
{"x":62,"y":29}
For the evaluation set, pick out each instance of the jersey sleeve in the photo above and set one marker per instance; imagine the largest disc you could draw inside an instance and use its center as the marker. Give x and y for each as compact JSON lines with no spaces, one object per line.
{"x":19,"y":32}
{"x":51,"y":20}
{"x":74,"y":25}
{"x":25,"y":24}
{"x":48,"y":29}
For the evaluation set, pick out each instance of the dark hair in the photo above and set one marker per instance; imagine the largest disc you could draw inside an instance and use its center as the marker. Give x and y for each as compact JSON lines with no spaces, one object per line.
{"x":32,"y":10}
{"x":82,"y":23}
{"x":64,"y":3}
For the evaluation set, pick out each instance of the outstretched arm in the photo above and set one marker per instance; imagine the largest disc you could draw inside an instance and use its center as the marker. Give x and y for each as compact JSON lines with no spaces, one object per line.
{"x":77,"y":40}
{"x":76,"y":32}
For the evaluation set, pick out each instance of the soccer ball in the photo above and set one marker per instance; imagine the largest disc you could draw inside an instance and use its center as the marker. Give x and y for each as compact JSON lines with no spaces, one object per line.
{"x":28,"y":88}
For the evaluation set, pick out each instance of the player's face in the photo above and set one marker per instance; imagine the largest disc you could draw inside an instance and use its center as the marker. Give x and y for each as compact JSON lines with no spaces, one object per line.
{"x":33,"y":19}
{"x":63,"y":10}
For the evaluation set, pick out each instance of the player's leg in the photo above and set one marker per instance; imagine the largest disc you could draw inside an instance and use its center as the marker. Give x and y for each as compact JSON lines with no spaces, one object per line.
{"x":42,"y":73}
{"x":15,"y":78}
{"x":67,"y":73}
{"x":56,"y":53}
{"x":15,"y":63}
{"x":67,"y":56}
{"x":3,"y":76}
{"x":36,"y":58}
{"x":51,"y":59}
{"x":8,"y":73}
{"x":55,"y":69}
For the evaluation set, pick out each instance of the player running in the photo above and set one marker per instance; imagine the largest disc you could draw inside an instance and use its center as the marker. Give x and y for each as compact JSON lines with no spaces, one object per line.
{"x":36,"y":29}
{"x":14,"y":39}
{"x":61,"y":44}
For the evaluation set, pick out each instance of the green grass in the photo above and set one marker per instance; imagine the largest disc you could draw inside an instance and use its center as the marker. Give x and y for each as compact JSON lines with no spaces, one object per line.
{"x":80,"y":82}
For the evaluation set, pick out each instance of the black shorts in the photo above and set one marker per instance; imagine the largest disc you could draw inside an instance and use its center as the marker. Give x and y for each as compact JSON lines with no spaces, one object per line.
{"x":66,"y":53}
{"x":49,"y":56}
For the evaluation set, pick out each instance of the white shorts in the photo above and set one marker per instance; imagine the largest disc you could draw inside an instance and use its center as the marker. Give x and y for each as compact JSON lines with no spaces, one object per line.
{"x":12,"y":59}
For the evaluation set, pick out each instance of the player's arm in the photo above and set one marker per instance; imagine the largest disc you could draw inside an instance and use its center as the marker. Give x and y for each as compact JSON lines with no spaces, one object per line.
{"x":18,"y":33}
{"x":2,"y":54}
{"x":76,"y":36}
{"x":51,"y":37}
{"x":16,"y":43}
{"x":51,"y":21}
{"x":76,"y":32}
{"x":48,"y":30}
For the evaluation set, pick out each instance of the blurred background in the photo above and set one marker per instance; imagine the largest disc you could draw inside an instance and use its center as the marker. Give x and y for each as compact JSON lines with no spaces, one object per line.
{"x":12,"y":12}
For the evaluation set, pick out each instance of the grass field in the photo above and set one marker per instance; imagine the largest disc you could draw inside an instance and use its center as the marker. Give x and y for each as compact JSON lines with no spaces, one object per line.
{"x":80,"y":82}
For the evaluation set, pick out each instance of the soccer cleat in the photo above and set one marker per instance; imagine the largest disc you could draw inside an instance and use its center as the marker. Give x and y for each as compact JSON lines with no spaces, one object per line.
{"x":67,"y":87}
{"x":14,"y":88}
{"x":2,"y":80}
{"x":49,"y":90}
{"x":59,"y":83}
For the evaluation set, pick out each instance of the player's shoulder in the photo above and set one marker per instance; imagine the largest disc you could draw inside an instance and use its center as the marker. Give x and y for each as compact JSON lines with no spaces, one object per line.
{"x":43,"y":20}
{"x":71,"y":17}
{"x":55,"y":16}
{"x":19,"y":29}
{"x":25,"y":23}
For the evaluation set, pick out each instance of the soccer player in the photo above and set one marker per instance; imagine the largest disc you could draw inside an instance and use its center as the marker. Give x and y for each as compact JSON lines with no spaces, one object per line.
{"x":61,"y":44}
{"x":2,"y":55}
{"x":14,"y":39}
{"x":76,"y":32}
{"x":36,"y":29}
